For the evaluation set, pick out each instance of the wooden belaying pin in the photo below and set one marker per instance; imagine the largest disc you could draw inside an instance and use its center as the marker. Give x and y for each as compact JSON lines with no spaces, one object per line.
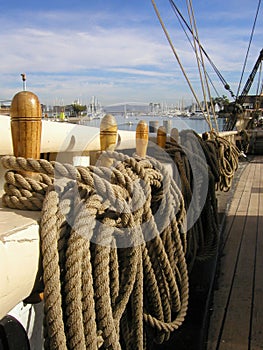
{"x":174,"y":136}
{"x":206,"y":136}
{"x":108,"y":137}
{"x":108,"y":133}
{"x":161,"y":137}
{"x":26,"y":125}
{"x":142,"y":135}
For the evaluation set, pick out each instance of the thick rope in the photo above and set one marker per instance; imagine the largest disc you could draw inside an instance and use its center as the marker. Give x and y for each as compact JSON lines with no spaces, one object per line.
{"x":202,"y":240}
{"x":203,"y":236}
{"x":97,"y":295}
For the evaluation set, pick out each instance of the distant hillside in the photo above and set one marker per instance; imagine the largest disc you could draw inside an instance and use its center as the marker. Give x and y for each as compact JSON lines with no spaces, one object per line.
{"x":128,"y":108}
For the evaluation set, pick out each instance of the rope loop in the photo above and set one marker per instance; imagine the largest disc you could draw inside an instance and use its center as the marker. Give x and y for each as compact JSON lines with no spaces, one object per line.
{"x":113,"y":245}
{"x":116,"y":249}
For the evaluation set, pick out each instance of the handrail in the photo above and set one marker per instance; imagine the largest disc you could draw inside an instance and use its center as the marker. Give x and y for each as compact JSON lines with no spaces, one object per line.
{"x":67,"y":137}
{"x":64,"y":137}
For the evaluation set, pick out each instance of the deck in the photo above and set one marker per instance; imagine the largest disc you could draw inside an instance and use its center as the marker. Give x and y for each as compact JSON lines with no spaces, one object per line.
{"x":236,"y":320}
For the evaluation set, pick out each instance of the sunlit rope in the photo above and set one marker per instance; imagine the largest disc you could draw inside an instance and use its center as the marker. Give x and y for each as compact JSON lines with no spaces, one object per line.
{"x":96,"y":294}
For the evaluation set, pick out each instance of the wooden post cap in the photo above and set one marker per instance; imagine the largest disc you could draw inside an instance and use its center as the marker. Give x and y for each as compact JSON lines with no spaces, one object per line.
{"x":26,"y":124}
{"x":206,"y":136}
{"x":161,"y":137}
{"x":108,"y":138}
{"x":174,"y":135}
{"x":108,"y":133}
{"x":142,"y":136}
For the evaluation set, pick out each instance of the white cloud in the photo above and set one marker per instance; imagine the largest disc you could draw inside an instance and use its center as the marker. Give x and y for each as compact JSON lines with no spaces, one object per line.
{"x":83,"y":54}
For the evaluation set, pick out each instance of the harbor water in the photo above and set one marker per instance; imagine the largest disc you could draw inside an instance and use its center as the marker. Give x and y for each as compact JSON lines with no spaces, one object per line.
{"x":181,"y":123}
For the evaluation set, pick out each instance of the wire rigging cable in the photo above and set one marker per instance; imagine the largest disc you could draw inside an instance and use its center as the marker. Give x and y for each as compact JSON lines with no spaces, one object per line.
{"x":179,"y":15}
{"x":250,"y":41}
{"x":260,"y":81}
{"x":178,"y":60}
{"x":203,"y":76}
{"x":207,"y":118}
{"x":188,"y":38}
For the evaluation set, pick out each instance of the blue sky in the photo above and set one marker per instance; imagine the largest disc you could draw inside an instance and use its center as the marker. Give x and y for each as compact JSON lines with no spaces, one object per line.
{"x":116,"y":50}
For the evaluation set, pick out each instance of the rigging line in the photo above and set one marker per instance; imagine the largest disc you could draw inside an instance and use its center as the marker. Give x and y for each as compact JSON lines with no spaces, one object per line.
{"x":178,"y":13}
{"x":259,"y":79}
{"x":213,"y":65}
{"x":176,"y":56}
{"x":211,"y":82}
{"x":191,"y":18}
{"x":245,"y":62}
{"x":202,"y":70}
{"x":259,"y":88}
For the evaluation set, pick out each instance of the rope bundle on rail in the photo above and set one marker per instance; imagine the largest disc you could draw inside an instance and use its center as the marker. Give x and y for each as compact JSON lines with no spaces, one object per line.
{"x":194,"y":158}
{"x":202,"y":235}
{"x":227,"y":155}
{"x":113,"y":250}
{"x":221,"y":156}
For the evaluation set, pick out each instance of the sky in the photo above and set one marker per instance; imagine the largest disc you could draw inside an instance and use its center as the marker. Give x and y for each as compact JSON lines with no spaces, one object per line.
{"x":117,"y":51}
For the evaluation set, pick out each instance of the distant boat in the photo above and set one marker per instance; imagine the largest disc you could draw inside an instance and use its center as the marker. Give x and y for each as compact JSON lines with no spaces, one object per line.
{"x":197,"y":116}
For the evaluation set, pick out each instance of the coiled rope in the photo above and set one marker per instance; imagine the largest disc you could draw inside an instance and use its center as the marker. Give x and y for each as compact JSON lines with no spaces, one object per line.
{"x":113,"y":245}
{"x":215,"y":160}
{"x":227,"y":156}
{"x":203,"y":235}
{"x":221,"y":156}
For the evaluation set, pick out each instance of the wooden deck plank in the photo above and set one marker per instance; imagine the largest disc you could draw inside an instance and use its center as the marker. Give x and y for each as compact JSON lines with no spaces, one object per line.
{"x":235,"y":201}
{"x":231,"y":238}
{"x":221,"y":295}
{"x":234,"y":322}
{"x":236,"y":329}
{"x":257,"y":312}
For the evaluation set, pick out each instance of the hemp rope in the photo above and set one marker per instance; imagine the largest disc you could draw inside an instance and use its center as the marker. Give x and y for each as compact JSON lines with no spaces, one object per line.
{"x":228,"y":162}
{"x":203,"y":235}
{"x":221,"y":156}
{"x":95,"y":294}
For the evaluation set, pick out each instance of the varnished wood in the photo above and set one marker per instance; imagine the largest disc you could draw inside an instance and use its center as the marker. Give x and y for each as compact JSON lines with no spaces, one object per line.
{"x":108,"y":139}
{"x":26,"y":125}
{"x":174,"y":135}
{"x":161,"y":137}
{"x":206,"y":136}
{"x":108,"y":132}
{"x":142,"y":135}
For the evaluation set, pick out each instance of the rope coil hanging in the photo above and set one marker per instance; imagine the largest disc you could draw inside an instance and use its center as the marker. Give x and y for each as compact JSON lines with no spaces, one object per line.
{"x":200,"y":205}
{"x":98,"y":295}
{"x":218,"y":158}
